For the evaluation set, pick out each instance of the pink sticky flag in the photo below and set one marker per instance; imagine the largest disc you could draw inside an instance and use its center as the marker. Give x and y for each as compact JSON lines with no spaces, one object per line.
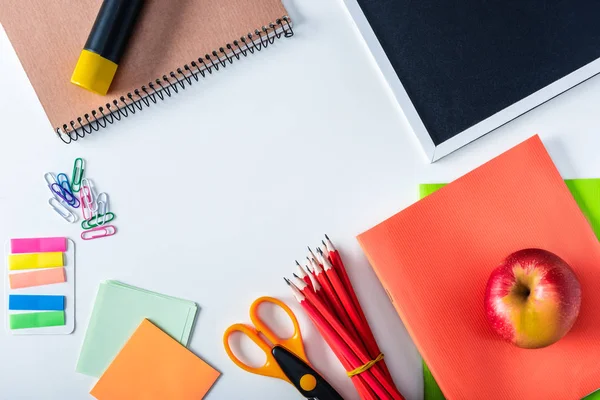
{"x":38,"y":245}
{"x":37,"y":278}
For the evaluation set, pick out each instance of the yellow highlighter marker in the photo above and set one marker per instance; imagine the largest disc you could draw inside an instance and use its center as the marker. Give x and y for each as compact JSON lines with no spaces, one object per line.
{"x":106,"y":44}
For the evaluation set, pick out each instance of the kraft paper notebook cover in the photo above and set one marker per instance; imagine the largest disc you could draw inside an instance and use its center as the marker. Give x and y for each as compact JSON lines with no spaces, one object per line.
{"x":174,"y":44}
{"x":154,"y":366}
{"x":434,"y":259}
{"x":586,"y":193}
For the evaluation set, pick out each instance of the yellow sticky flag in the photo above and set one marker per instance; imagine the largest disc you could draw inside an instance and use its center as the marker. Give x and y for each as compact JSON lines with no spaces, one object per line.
{"x":35,"y":260}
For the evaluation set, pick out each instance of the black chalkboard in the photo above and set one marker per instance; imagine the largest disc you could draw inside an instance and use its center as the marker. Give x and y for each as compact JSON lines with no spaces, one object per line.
{"x":461,"y":61}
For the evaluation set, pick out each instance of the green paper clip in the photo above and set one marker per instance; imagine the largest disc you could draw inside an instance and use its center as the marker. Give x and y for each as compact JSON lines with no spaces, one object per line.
{"x":98,"y":220}
{"x":78,"y":170}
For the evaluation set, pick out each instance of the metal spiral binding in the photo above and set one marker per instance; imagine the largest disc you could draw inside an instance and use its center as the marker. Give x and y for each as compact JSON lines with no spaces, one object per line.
{"x":181,"y":78}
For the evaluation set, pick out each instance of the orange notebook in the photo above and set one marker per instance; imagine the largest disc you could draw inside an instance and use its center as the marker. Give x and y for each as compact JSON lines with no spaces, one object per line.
{"x":434,"y":259}
{"x":154,"y":366}
{"x":174,"y":44}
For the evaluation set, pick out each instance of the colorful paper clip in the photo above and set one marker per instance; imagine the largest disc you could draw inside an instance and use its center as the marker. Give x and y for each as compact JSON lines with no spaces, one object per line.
{"x":58,"y":206}
{"x":50,"y":178}
{"x":99,"y":232}
{"x":89,"y":207}
{"x":78,"y":171}
{"x":94,"y":221}
{"x":64,"y":195}
{"x":102,"y":208}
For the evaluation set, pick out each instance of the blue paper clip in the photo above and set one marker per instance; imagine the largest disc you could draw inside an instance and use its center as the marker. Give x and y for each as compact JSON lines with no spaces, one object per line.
{"x":63,"y":181}
{"x":64,"y":195}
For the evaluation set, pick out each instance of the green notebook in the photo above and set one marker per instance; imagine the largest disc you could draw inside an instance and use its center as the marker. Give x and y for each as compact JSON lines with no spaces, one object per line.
{"x":118,"y":311}
{"x":587,"y":195}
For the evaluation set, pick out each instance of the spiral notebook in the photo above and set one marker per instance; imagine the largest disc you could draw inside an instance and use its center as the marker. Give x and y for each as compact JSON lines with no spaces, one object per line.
{"x":175,"y":44}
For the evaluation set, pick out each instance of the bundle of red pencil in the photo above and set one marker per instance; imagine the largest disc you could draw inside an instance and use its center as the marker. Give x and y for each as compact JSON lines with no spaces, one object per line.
{"x":324,"y":291}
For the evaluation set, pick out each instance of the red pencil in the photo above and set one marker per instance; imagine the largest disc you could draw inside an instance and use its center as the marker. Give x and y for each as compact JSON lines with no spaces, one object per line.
{"x":363,"y":329}
{"x":356,"y":347}
{"x":368,"y":337}
{"x":304,"y":276}
{"x":317,"y":289}
{"x":366,"y":383}
{"x":334,"y":300}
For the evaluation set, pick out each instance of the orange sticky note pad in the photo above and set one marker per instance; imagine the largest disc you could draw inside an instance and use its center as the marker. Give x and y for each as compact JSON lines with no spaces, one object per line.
{"x":435,"y":257}
{"x":154,"y":366}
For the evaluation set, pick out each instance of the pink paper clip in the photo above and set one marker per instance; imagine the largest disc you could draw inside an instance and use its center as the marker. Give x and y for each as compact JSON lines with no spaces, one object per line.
{"x":86,"y":208}
{"x":99,"y":232}
{"x":89,"y":207}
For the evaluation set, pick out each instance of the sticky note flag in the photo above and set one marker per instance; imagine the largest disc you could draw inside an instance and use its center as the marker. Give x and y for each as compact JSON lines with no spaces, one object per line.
{"x":38,"y":245}
{"x":37,"y":319}
{"x":36,"y":302}
{"x":37,"y":278}
{"x":35,"y":260}
{"x":154,"y":366}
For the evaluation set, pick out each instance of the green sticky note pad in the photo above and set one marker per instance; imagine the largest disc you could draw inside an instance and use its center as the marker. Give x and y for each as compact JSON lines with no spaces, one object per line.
{"x":37,"y":319}
{"x":586,"y":193}
{"x":593,"y":396}
{"x":118,"y":311}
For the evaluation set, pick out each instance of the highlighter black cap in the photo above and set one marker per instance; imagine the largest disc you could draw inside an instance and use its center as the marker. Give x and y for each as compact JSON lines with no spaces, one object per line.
{"x":106,"y":44}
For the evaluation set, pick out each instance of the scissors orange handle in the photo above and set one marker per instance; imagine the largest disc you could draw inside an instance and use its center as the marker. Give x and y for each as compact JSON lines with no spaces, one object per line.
{"x":270,"y":367}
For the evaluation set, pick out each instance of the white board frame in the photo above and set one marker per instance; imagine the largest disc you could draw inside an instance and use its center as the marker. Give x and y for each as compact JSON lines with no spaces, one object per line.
{"x":476,"y":131}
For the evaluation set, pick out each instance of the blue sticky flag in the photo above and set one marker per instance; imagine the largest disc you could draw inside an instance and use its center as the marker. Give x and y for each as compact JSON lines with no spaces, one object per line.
{"x":36,"y":302}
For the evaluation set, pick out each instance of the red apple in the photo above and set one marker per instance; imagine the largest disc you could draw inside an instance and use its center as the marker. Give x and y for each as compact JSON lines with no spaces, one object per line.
{"x":532,"y":299}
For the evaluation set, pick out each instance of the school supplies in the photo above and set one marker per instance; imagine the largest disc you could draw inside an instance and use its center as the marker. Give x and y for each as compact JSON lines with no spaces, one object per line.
{"x":36,"y":302}
{"x":325,"y":292}
{"x":154,"y":366}
{"x":286,"y":358}
{"x":172,"y":47}
{"x":434,"y":259}
{"x":99,"y":232}
{"x":37,"y":278}
{"x":106,"y":44}
{"x":586,"y":193}
{"x":462,"y":69}
{"x":94,"y":206}
{"x":595,"y":395}
{"x":39,"y":283}
{"x":118,"y":311}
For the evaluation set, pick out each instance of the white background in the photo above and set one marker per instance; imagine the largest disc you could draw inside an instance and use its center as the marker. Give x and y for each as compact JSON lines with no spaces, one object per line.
{"x":218,"y":190}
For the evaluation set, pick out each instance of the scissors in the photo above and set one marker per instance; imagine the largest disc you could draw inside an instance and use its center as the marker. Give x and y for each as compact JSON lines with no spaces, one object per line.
{"x":286,"y":358}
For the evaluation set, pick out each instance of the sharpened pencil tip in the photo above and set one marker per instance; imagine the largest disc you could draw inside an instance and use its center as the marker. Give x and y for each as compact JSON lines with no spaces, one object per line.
{"x":319,"y":251}
{"x":326,"y":237}
{"x":286,"y":280}
{"x":322,"y":241}
{"x":296,"y":276}
{"x":297,"y":263}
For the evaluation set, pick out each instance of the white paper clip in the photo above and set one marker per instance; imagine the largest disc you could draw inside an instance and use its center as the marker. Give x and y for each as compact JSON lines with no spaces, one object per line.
{"x":102,"y":208}
{"x":61,"y":209}
{"x":99,"y":232}
{"x":50,"y":178}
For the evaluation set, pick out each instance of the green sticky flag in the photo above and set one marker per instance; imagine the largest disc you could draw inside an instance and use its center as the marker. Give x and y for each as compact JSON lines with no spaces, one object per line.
{"x":37,"y":319}
{"x":586,"y":193}
{"x":118,"y":311}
